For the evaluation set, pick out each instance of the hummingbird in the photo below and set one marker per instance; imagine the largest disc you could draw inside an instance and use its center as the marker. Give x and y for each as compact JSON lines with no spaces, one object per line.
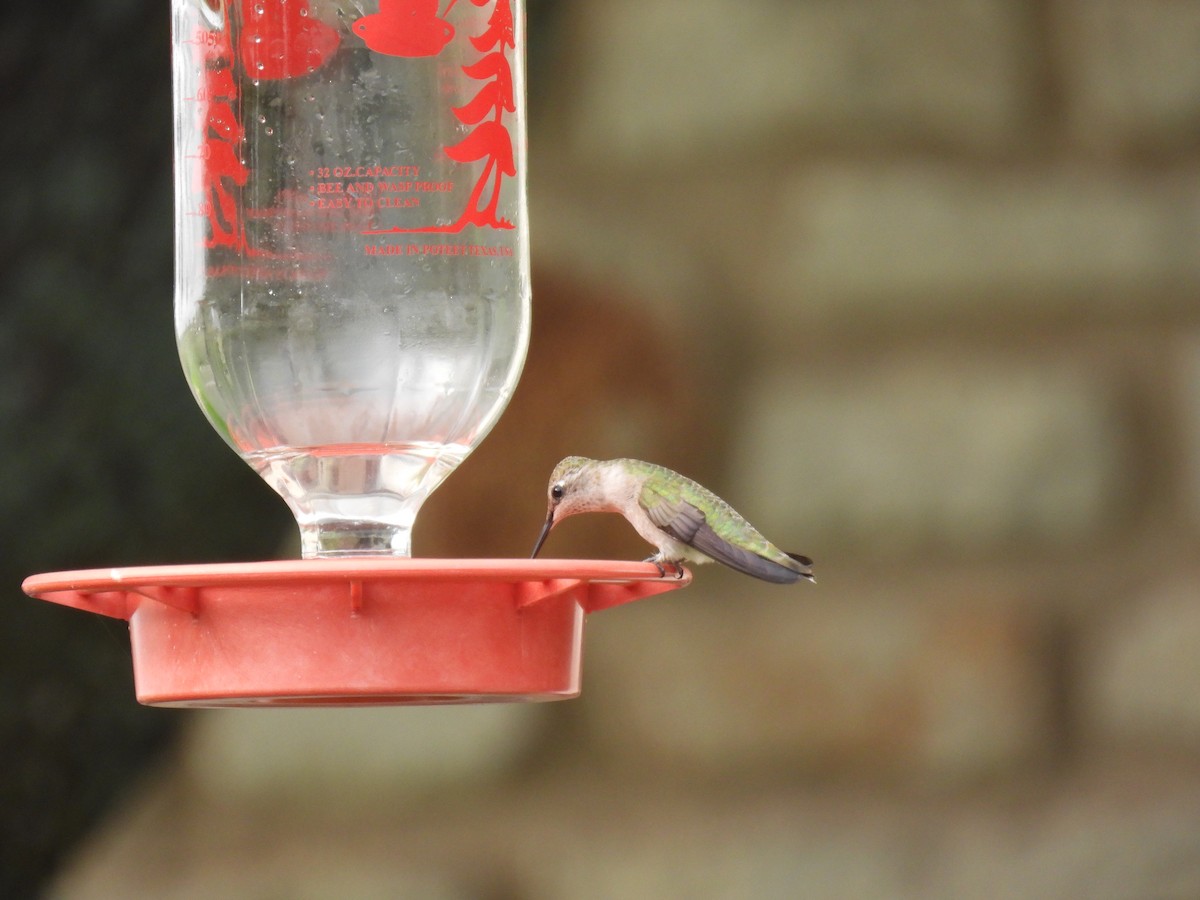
{"x":683,"y":519}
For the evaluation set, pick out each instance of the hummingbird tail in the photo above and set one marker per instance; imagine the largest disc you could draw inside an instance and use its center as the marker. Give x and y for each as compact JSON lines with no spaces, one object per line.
{"x":806,"y":565}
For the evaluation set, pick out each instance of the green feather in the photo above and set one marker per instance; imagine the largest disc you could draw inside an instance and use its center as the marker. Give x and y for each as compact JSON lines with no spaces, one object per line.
{"x":663,"y":486}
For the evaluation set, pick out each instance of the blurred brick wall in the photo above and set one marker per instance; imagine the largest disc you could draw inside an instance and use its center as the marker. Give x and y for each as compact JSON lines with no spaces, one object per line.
{"x":924,"y":282}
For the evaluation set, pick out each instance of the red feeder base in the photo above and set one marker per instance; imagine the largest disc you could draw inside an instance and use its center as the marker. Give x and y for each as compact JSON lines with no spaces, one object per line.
{"x":356,"y":631}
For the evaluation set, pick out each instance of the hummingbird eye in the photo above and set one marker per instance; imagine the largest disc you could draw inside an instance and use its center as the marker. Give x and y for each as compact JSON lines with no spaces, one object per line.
{"x":557,"y":491}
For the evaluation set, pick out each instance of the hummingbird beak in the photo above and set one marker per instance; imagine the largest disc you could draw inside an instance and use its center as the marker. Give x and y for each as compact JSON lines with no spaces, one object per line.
{"x":545,"y":531}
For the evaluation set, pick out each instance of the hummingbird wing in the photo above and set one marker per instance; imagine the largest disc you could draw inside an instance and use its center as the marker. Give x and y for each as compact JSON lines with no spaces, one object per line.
{"x":678,"y":518}
{"x":689,"y":525}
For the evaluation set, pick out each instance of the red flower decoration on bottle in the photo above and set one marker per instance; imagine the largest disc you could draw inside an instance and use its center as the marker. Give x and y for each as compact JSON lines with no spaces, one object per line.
{"x":281,"y":40}
{"x":406,"y":28}
{"x":489,"y":141}
{"x":221,"y":168}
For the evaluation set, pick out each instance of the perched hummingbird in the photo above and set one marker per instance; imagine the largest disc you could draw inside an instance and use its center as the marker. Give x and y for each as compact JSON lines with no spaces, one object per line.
{"x":683,"y":519}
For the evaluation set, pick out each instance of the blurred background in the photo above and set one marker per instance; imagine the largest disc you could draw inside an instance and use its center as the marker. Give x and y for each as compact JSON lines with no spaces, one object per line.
{"x":913,"y":286}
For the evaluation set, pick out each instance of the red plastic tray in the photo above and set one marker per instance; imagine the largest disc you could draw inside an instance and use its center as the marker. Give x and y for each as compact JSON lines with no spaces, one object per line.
{"x":356,"y":631}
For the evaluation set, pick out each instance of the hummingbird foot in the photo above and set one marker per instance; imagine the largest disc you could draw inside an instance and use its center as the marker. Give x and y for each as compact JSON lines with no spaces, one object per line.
{"x":676,"y":567}
{"x":662,"y":573}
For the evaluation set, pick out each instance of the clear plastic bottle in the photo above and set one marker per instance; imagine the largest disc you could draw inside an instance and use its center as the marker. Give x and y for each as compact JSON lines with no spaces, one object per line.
{"x":352,"y":270}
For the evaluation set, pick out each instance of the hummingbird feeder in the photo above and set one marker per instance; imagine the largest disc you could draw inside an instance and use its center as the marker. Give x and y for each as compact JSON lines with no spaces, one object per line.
{"x":352,"y":314}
